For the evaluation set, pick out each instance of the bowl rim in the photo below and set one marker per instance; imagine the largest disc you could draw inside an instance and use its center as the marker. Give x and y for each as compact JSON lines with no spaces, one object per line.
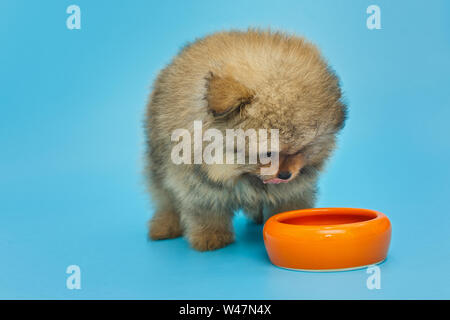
{"x":327,"y":211}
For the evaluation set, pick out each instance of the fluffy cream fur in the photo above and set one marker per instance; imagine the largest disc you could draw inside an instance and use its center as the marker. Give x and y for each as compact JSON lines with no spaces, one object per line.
{"x":239,"y":79}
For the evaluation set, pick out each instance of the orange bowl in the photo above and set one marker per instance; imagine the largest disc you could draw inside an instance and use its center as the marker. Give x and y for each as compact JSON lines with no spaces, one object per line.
{"x":327,"y":239}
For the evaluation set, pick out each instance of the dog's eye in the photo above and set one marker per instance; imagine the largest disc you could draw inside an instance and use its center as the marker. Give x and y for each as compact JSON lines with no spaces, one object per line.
{"x":244,"y":103}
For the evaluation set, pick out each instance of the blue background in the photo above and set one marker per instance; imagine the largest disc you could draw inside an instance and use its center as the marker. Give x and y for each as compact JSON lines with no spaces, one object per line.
{"x":71,"y":146}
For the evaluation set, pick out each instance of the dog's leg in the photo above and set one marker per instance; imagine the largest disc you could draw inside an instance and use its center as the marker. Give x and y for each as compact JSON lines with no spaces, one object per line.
{"x":165,"y":223}
{"x":255,"y":213}
{"x":208,"y":230}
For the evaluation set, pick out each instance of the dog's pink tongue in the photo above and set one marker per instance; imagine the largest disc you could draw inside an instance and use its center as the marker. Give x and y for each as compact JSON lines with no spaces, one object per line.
{"x":274,"y":181}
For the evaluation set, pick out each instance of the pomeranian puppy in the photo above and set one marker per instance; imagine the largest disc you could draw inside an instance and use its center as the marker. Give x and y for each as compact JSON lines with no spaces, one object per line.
{"x":239,"y":80}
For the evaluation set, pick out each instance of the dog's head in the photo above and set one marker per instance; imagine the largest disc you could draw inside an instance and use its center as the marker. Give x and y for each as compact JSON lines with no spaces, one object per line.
{"x":285,"y":85}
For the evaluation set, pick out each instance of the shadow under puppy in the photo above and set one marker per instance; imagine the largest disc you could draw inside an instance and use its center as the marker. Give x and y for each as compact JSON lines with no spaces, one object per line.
{"x":239,"y":80}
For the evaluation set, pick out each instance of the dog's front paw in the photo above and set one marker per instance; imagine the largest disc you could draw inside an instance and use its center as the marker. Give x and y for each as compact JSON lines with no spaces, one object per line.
{"x":210,"y":240}
{"x":164,"y":225}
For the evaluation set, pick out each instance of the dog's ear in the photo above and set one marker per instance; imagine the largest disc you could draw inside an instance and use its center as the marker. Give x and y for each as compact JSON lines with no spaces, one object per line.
{"x":225,"y":94}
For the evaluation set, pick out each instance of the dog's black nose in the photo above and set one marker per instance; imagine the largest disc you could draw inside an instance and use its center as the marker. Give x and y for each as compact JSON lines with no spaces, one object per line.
{"x":284,"y":175}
